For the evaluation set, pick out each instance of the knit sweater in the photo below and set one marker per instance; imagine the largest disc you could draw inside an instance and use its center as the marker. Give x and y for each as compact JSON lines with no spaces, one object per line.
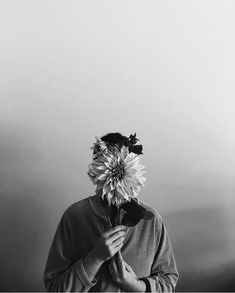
{"x":147,"y":249}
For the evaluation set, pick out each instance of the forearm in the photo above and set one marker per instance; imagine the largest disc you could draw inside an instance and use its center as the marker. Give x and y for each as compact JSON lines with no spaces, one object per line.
{"x":79,"y":277}
{"x":68,"y":280}
{"x":141,"y":286}
{"x":92,"y":265}
{"x":160,"y":283}
{"x":136,"y":286}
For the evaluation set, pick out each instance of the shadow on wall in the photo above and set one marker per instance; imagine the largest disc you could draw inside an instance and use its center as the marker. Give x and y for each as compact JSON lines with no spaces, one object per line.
{"x":23,"y":218}
{"x":200,"y":239}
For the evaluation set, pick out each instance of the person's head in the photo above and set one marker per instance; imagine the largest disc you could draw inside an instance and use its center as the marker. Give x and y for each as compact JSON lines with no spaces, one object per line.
{"x":115,"y":168}
{"x":117,"y":140}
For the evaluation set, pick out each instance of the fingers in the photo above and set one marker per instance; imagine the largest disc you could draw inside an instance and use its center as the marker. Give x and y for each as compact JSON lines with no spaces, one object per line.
{"x":113,"y":270}
{"x":112,"y":240}
{"x":119,"y":259}
{"x":118,"y":244}
{"x":118,"y":235}
{"x":128,"y":268}
{"x":112,"y":266}
{"x":119,"y":255}
{"x":114,"y":230}
{"x":121,"y":263}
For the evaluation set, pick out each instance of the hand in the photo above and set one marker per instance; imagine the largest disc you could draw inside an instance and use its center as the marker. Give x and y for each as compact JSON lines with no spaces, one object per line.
{"x":109,"y":243}
{"x":123,"y":274}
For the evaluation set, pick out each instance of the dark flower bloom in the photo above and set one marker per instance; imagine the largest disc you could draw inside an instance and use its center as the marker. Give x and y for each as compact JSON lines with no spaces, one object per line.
{"x":134,"y":213}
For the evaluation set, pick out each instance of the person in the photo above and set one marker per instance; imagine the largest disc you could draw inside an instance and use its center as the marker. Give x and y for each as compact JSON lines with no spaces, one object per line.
{"x":85,"y":242}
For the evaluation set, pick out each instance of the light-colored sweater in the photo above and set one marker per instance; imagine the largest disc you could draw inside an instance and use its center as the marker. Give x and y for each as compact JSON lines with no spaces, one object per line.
{"x":147,"y":249}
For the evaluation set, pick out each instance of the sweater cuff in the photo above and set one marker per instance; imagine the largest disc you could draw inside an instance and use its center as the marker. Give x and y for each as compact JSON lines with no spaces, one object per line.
{"x":152,"y":284}
{"x":82,"y":275}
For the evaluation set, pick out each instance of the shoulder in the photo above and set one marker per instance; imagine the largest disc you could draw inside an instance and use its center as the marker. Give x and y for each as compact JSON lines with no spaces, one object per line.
{"x":156,"y":218}
{"x":77,"y":208}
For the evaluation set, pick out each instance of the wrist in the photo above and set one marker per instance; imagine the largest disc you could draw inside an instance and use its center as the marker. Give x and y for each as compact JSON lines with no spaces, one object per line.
{"x":134,"y":286}
{"x":91,"y":266}
{"x":93,"y":257}
{"x":142,"y":286}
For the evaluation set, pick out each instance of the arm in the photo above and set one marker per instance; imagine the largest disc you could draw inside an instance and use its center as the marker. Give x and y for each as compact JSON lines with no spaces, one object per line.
{"x":62,"y":273}
{"x":123,"y":274}
{"x":164,"y":273}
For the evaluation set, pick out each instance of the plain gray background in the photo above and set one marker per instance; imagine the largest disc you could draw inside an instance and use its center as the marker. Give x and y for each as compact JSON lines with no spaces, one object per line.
{"x":71,"y":70}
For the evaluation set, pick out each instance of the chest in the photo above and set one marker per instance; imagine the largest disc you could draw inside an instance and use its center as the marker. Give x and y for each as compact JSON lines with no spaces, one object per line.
{"x":137,"y":250}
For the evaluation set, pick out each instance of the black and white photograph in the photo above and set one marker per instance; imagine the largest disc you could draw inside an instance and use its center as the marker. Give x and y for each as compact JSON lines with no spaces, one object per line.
{"x":117,"y":146}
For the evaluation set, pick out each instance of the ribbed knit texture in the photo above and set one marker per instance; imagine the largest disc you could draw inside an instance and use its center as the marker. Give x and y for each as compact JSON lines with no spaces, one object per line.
{"x":147,"y":249}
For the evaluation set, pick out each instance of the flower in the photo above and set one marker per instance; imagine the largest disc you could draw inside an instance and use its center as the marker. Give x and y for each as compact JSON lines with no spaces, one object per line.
{"x":99,"y":148}
{"x":118,"y":173}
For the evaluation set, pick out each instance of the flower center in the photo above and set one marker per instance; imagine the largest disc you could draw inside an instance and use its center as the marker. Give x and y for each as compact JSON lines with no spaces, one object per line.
{"x":118,"y":172}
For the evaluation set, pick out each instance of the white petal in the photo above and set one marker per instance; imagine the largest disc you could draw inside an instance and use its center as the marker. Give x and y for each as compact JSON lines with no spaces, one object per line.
{"x":112,"y":185}
{"x":107,"y":164}
{"x":102,"y":167}
{"x":102,"y":176}
{"x":131,"y":171}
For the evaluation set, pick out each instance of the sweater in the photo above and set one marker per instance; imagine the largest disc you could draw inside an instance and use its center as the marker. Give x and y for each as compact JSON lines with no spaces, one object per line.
{"x":146,"y":248}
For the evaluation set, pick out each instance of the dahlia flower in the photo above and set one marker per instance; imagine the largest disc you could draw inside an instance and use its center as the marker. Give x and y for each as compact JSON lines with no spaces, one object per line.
{"x":99,"y":147}
{"x":118,"y":173}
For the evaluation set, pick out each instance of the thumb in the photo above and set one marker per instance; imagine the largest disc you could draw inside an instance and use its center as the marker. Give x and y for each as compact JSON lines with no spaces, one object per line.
{"x":119,"y":255}
{"x":113,"y":267}
{"x":120,"y":261}
{"x":128,"y":267}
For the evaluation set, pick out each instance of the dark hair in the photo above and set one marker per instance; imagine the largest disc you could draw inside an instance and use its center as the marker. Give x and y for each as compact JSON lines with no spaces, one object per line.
{"x":116,"y":139}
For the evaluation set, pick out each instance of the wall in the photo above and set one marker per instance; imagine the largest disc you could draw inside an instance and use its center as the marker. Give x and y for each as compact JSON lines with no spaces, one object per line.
{"x":71,"y":70}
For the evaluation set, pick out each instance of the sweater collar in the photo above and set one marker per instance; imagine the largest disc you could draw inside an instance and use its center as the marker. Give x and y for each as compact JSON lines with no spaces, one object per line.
{"x":97,"y":211}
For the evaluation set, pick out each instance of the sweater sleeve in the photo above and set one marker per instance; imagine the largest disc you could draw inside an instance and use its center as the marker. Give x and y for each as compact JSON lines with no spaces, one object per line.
{"x":62,"y":273}
{"x":164,"y":273}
